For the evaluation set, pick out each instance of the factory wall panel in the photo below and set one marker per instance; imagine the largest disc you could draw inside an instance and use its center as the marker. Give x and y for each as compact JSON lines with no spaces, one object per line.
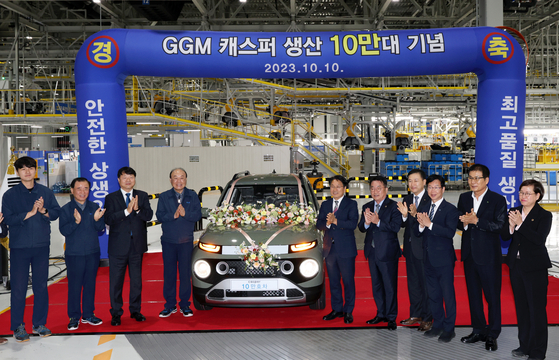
{"x":215,"y":165}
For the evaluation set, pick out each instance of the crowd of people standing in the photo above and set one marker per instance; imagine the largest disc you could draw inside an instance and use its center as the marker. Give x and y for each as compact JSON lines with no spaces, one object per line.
{"x":429,"y":220}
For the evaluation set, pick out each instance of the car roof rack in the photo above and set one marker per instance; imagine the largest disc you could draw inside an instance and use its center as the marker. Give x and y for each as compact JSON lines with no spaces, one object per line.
{"x":242,"y":173}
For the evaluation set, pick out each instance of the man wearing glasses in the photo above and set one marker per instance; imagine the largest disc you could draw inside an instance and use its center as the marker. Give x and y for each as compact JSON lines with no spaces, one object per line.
{"x":483,"y":214}
{"x":437,"y":224}
{"x":380,"y":221}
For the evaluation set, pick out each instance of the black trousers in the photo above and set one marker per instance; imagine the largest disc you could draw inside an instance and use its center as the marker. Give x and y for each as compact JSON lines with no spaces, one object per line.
{"x":530,"y":299}
{"x":117,"y":270}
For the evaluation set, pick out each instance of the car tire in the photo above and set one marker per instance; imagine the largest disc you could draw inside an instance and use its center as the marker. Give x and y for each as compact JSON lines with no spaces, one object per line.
{"x":320,"y":304}
{"x":199,"y":306}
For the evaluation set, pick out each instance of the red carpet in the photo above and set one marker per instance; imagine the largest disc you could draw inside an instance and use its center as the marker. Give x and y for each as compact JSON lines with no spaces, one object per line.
{"x":251,"y":318}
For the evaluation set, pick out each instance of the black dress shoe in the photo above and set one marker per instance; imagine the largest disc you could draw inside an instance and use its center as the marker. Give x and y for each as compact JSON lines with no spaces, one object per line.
{"x":376,"y":320}
{"x":334,"y":314}
{"x":518,"y":353}
{"x":137,"y":316}
{"x":447,"y":336}
{"x":392,"y":325}
{"x":115,"y":321}
{"x":348,"y":318}
{"x":491,"y":344}
{"x":473,"y":338}
{"x":434,"y":332}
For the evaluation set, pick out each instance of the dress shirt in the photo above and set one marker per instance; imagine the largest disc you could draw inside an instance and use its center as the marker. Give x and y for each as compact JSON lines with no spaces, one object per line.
{"x":477,"y":203}
{"x":419,"y":197}
{"x":334,"y":206}
{"x":437,"y":204}
{"x":379,"y":207}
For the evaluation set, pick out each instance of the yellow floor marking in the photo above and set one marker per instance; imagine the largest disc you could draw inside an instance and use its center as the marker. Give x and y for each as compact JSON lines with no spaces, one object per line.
{"x":104,"y":356}
{"x":105,"y":339}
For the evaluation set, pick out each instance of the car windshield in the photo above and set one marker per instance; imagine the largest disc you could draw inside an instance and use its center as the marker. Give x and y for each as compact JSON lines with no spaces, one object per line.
{"x":270,"y":194}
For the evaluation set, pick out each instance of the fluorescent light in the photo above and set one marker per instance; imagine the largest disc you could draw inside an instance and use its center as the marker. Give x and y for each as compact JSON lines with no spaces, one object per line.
{"x":149,"y":123}
{"x":150,"y":131}
{"x":97,"y":1}
{"x":21,"y":137}
{"x":15,"y":124}
{"x":36,"y":127}
{"x":56,"y":136}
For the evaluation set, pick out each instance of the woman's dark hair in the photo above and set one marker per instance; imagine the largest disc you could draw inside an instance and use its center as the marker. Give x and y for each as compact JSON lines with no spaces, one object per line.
{"x":538,"y":187}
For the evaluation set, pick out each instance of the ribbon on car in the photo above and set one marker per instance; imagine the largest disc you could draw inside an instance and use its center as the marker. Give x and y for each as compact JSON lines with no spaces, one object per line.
{"x":274,"y":235}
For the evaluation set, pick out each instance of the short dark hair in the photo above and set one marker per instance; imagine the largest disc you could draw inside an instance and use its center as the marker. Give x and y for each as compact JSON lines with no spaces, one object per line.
{"x":480,"y":167}
{"x":340,"y":178}
{"x":178,"y":168}
{"x":538,"y":187}
{"x":380,"y":178}
{"x":417,"y":171}
{"x":79,"y":179}
{"x":126,"y":170}
{"x":25,"y":161}
{"x":435,"y":177}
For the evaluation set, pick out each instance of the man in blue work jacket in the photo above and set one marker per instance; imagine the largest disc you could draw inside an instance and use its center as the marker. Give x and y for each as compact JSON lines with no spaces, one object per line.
{"x":80,"y":221}
{"x":28,"y":210}
{"x":178,"y":210}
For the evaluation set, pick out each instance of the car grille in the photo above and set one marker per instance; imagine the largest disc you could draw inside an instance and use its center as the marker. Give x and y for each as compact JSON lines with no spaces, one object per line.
{"x":239,"y":268}
{"x":268,"y":293}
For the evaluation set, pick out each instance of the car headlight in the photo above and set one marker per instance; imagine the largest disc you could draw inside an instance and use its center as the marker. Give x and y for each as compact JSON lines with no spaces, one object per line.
{"x":202,"y":269}
{"x":216,"y":249}
{"x":309,"y":268}
{"x":302,"y":246}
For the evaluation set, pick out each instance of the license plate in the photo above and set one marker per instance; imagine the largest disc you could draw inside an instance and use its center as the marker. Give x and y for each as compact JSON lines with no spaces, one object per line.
{"x":254,"y":285}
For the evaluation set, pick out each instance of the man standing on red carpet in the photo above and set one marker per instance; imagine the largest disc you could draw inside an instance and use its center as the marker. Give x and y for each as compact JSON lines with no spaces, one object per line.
{"x":381,"y":221}
{"x":484,"y":213}
{"x":28,"y":210}
{"x":338,"y":218}
{"x":178,"y":210}
{"x":80,"y":222}
{"x":420,"y":311}
{"x":437,"y":224}
{"x":128,"y":210}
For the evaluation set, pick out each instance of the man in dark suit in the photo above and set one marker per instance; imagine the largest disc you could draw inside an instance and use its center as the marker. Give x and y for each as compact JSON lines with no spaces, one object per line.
{"x":484,"y":213}
{"x":127,"y":211}
{"x":338,"y":219}
{"x":437,"y":224}
{"x":381,"y":221}
{"x":420,"y":312}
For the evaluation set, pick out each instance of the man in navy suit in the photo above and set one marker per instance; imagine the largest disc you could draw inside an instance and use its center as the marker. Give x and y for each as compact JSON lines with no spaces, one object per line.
{"x":437,"y":224}
{"x":484,"y":213}
{"x":127,"y":211}
{"x":381,"y":220}
{"x":420,"y":312}
{"x":338,"y":219}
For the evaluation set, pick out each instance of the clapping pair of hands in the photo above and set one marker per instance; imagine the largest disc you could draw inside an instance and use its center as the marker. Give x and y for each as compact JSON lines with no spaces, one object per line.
{"x":98,"y":213}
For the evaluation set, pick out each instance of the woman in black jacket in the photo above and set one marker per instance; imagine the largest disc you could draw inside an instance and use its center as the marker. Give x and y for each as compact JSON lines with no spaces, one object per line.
{"x":528,"y":226}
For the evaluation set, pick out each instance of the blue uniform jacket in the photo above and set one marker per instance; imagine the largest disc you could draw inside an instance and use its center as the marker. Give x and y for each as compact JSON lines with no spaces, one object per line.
{"x":82,"y":238}
{"x":35,"y":231}
{"x":181,"y":229}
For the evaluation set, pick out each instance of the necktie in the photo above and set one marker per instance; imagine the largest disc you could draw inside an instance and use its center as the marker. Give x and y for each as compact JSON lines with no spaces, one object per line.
{"x":432,"y":212}
{"x":377,"y":208}
{"x":335,"y":205}
{"x":179,"y":198}
{"x":127,"y":199}
{"x":416,"y":201}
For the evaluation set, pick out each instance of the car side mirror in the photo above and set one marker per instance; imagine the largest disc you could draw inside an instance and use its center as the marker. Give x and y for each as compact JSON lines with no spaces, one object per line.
{"x":205,"y":212}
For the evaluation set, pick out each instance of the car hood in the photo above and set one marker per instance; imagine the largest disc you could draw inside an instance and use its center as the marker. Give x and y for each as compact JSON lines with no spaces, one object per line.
{"x":282,"y":234}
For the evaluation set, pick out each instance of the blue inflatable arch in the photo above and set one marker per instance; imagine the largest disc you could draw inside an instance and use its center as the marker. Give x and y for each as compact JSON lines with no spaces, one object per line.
{"x":108,"y":57}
